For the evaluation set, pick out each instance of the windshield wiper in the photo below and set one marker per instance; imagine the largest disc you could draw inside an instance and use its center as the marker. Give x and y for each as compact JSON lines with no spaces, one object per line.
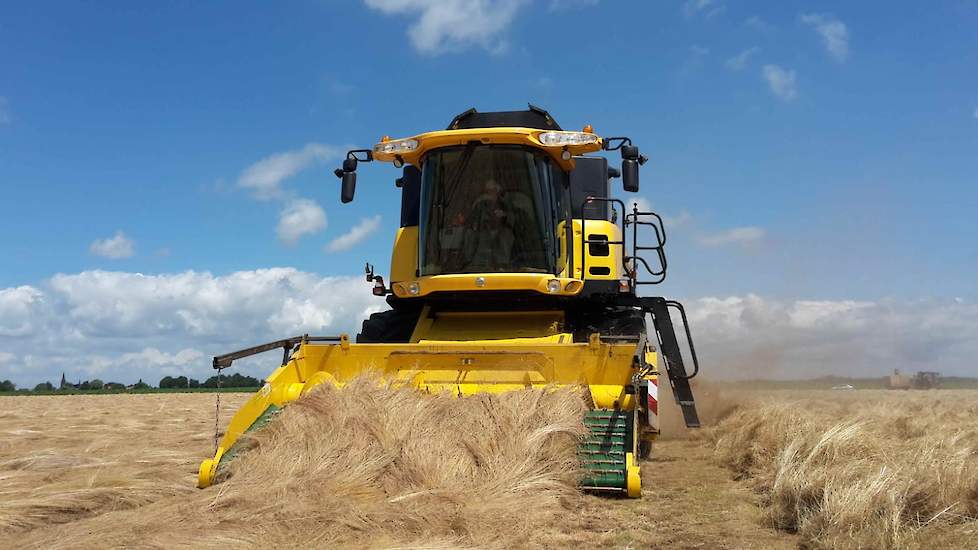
{"x":456,"y":179}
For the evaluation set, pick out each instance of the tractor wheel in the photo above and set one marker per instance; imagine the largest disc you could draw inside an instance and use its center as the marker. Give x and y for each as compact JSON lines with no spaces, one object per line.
{"x":609,"y":322}
{"x":391,"y":327}
{"x":644,"y":449}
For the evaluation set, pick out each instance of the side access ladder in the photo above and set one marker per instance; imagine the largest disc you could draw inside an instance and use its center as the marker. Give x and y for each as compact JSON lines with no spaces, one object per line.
{"x":610,"y":450}
{"x":605,"y":451}
{"x":659,"y":307}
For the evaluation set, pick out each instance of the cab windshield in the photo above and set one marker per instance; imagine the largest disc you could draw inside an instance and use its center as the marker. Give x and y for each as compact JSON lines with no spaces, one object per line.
{"x":488,"y":209}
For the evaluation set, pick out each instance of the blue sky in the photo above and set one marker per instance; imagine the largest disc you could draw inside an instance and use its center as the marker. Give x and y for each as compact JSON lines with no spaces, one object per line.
{"x":802,"y":153}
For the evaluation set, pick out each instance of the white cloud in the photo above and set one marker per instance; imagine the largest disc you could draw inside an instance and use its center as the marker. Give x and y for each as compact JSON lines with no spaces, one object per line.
{"x":17,"y":305}
{"x":736,"y":236}
{"x":739,"y":61}
{"x":644,"y":204}
{"x":154,"y":357}
{"x":670,"y":222}
{"x":834,"y":33}
{"x":355,"y":235}
{"x":264,"y":178}
{"x":708,"y":8}
{"x":543,"y":83}
{"x":122,"y":326}
{"x":556,"y":5}
{"x":116,"y":247}
{"x":976,"y":112}
{"x":752,"y":336}
{"x":781,"y":81}
{"x":149,"y":362}
{"x":341,"y":88}
{"x":300,"y":217}
{"x":452,"y":25}
{"x":757,"y":23}
{"x":678,"y":220}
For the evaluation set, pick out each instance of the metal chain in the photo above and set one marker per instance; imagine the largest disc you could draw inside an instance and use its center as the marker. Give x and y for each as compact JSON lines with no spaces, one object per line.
{"x":217,"y":411}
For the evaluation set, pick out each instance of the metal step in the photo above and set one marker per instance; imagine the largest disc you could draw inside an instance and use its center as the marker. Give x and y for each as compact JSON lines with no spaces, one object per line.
{"x":602,"y":451}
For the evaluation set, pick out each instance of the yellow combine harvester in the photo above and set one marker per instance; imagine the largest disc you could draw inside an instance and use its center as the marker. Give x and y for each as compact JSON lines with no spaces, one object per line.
{"x":513,"y":268}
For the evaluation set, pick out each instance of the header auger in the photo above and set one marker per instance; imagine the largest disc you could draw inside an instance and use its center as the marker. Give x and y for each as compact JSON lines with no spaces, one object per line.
{"x":513,"y":267}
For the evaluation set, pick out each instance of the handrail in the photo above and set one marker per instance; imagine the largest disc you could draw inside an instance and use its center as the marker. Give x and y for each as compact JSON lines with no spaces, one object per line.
{"x":635,"y":219}
{"x":630,"y":262}
{"x":689,"y":337}
{"x":224,"y":361}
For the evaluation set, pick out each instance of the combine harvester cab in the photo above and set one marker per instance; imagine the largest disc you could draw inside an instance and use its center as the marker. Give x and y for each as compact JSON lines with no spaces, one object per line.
{"x":513,"y":268}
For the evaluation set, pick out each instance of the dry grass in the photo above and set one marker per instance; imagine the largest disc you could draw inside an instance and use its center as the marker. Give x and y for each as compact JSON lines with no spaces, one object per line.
{"x":365,"y":466}
{"x":378,"y":469}
{"x":385,"y":468}
{"x":863,"y":469}
{"x":67,"y":458}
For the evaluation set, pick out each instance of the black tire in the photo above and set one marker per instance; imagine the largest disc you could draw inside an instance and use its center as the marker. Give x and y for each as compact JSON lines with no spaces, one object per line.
{"x":608,"y":322}
{"x":626,"y":323}
{"x":644,"y":449}
{"x":388,"y":327}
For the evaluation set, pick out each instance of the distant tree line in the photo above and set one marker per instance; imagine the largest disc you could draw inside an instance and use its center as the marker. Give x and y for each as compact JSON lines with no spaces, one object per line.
{"x":235,"y":380}
{"x":178,"y":382}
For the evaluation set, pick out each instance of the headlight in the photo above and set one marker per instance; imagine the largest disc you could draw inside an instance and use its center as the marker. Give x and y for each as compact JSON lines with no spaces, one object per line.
{"x":396,"y":146}
{"x":414,"y":289}
{"x":553,"y":286}
{"x":558,"y":139}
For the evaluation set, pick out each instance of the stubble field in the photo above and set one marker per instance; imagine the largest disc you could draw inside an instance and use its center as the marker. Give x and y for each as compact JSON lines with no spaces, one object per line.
{"x":385,"y":468}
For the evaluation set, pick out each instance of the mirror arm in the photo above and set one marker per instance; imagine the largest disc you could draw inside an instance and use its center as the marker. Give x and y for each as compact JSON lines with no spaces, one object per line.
{"x":362,"y":155}
{"x":379,"y":289}
{"x":348,"y":173}
{"x":353,"y":157}
{"x":615,"y":143}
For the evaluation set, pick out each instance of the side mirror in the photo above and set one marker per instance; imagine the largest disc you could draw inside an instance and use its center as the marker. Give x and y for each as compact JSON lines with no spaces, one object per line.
{"x":348,"y":175}
{"x":630,"y":161}
{"x":349,"y":186}
{"x":629,"y":175}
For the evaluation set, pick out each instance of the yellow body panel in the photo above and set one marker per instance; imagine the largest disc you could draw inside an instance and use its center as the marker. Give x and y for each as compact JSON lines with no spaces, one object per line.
{"x":404,"y":258}
{"x":595,"y":228}
{"x":633,"y":487}
{"x":460,"y":367}
{"x":519,"y":136}
{"x":487,"y":281}
{"x":526,"y":328}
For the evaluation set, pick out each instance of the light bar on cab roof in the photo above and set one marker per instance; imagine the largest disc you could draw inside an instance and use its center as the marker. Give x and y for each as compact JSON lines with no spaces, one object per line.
{"x":559,"y":139}
{"x":396,"y":146}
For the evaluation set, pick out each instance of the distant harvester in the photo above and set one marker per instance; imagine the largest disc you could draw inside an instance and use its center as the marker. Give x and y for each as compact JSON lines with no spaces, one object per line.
{"x":922,"y":380}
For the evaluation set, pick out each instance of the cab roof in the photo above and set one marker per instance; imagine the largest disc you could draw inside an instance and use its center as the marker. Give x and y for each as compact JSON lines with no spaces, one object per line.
{"x":533,"y":117}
